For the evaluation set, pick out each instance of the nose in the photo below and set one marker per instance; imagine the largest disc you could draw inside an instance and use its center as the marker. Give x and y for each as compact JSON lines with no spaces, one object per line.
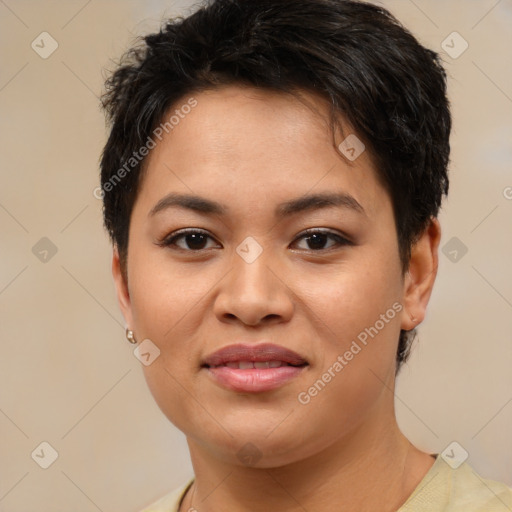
{"x":254,"y":293}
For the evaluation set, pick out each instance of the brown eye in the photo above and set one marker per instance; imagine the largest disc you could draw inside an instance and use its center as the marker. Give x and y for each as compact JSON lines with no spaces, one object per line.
{"x":317,"y":240}
{"x":188,"y":240}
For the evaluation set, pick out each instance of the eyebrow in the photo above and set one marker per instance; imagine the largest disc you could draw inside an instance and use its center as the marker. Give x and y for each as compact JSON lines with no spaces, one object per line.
{"x":301,"y":204}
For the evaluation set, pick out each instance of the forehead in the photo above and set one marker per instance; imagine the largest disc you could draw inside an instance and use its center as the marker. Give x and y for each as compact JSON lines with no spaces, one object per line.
{"x":264,"y":145}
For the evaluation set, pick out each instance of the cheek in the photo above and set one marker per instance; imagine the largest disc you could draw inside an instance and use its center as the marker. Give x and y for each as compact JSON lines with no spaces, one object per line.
{"x":344,"y":302}
{"x":168,"y":309}
{"x":164,"y":296}
{"x":356,"y":313}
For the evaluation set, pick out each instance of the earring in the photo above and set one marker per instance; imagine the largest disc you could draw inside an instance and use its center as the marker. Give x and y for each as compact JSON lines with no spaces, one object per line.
{"x":130,"y":337}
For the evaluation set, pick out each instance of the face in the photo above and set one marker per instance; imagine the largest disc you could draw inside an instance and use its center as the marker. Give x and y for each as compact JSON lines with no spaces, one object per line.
{"x":264,"y":262}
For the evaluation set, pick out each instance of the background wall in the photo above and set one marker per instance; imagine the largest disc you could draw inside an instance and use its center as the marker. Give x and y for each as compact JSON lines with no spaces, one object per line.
{"x":69,"y":378}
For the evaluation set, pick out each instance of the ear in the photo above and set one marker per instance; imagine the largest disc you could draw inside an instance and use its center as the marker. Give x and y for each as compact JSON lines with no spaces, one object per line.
{"x":123,"y":294}
{"x":419,"y":280}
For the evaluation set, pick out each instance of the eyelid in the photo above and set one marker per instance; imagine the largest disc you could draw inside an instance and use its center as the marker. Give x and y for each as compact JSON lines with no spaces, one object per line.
{"x":341,"y":239}
{"x":170,"y":239}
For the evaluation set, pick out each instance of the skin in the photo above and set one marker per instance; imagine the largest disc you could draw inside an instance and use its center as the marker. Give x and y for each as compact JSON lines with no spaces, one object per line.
{"x":251,"y":150}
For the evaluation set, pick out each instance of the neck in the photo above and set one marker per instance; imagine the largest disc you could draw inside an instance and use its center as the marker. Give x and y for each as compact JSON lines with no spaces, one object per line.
{"x":373,"y":468}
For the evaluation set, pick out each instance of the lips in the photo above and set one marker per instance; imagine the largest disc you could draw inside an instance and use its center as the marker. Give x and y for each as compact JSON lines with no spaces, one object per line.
{"x":245,"y":354}
{"x":244,"y":365}
{"x":253,"y":368}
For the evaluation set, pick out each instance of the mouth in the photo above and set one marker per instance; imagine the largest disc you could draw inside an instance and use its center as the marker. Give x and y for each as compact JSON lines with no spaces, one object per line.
{"x":260,"y":365}
{"x":253,"y":368}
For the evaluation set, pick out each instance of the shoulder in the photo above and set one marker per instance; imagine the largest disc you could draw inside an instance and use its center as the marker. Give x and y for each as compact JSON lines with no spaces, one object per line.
{"x":477,"y":494}
{"x":461,"y":489}
{"x":170,"y":502}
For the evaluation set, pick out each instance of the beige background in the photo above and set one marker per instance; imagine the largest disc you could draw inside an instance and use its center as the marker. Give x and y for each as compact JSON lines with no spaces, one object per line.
{"x":68,"y":376}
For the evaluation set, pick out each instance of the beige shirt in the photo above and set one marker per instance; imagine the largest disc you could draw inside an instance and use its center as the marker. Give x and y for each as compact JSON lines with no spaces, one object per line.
{"x":442,"y":489}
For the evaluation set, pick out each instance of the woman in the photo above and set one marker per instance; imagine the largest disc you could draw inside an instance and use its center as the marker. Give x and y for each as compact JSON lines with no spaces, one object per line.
{"x":271,"y":182}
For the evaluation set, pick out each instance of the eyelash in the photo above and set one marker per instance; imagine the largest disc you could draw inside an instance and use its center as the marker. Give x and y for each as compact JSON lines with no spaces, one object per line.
{"x":170,"y":240}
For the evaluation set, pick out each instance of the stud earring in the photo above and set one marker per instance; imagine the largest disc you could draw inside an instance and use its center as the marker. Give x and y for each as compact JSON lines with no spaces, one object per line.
{"x":130,"y":337}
